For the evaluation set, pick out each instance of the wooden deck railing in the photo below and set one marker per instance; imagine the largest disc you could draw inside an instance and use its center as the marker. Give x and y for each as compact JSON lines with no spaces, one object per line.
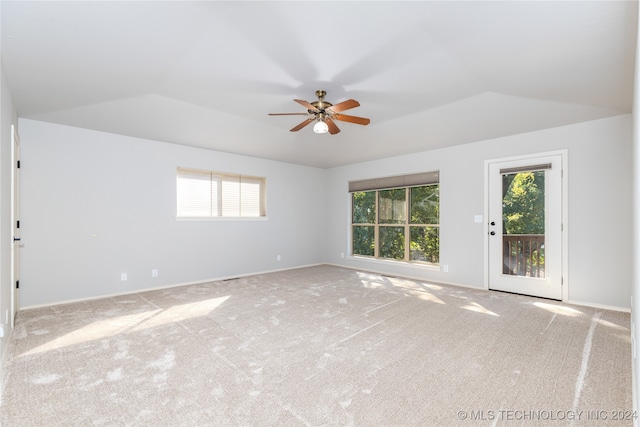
{"x":523,"y":254}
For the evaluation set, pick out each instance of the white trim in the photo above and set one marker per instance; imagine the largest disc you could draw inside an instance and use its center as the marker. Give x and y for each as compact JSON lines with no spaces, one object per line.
{"x":157,"y":288}
{"x":222,"y":218}
{"x":395,"y":263}
{"x":564,"y":236}
{"x":458,"y":285}
{"x":565,"y":224}
{"x":15,"y":206}
{"x":599,"y":306}
{"x":220,"y":279}
{"x":406,"y":276}
{"x":485,"y":243}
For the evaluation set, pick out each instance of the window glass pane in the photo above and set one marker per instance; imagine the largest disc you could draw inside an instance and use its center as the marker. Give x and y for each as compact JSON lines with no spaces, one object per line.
{"x":425,"y":204}
{"x":194,"y":193}
{"x":364,"y":207}
{"x":231,"y":196}
{"x":392,"y":242}
{"x":216,"y":183}
{"x":392,"y":205}
{"x":425,"y":244}
{"x":250,"y":197}
{"x":363,"y":240}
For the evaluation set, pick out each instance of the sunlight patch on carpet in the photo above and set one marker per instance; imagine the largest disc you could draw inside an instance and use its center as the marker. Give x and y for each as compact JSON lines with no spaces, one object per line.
{"x":131,"y":323}
{"x":558,"y":309}
{"x":474,"y":306}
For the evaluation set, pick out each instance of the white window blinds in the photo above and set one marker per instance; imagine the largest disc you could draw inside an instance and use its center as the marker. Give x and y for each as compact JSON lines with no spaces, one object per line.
{"x":213,"y":194}
{"x":196,"y":193}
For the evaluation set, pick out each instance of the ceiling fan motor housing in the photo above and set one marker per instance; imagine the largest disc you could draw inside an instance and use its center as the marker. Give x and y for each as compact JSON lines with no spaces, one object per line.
{"x":320,"y":104}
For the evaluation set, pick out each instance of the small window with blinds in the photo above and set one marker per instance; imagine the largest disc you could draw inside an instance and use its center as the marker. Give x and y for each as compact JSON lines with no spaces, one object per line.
{"x":209,"y":194}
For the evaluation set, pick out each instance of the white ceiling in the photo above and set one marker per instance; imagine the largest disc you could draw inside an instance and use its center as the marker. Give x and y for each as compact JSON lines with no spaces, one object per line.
{"x":428,"y":74}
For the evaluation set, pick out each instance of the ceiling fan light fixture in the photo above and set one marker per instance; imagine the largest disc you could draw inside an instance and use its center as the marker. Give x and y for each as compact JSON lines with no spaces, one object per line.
{"x":320,"y":127}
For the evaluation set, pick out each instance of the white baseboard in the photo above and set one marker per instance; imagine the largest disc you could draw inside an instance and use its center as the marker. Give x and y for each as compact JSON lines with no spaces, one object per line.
{"x":217,"y":279}
{"x":601,"y":306}
{"x":439,"y":282}
{"x":155,"y":288}
{"x":407,"y":276}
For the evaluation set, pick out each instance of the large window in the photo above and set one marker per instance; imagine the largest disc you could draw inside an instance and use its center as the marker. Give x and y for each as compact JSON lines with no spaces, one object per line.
{"x":203,"y":194}
{"x":397,"y":218}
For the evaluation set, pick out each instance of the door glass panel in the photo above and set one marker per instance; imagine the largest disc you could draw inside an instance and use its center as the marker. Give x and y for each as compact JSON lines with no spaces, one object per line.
{"x":523,"y":223}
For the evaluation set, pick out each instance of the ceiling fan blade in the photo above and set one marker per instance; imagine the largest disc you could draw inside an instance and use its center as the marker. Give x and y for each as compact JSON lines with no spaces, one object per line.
{"x":303,"y":124}
{"x":306,"y":104}
{"x":288,"y":114}
{"x":344,"y":105}
{"x":352,"y":119}
{"x":333,"y":129}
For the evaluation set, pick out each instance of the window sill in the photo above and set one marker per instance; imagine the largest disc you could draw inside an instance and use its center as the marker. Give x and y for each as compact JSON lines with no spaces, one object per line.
{"x":389,"y":262}
{"x":222,"y":218}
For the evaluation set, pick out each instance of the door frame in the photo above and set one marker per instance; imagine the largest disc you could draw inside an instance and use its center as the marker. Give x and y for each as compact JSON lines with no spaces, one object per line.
{"x":15,"y":230}
{"x":564,"y":154}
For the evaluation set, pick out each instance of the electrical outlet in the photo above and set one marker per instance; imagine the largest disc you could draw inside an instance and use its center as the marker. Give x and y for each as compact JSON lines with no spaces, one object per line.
{"x":278,"y":258}
{"x":445,"y":268}
{"x":341,"y":254}
{"x":123,"y":276}
{"x":154,"y":273}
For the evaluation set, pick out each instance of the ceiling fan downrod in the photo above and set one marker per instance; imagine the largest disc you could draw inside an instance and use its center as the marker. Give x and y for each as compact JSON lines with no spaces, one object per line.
{"x":320,"y":104}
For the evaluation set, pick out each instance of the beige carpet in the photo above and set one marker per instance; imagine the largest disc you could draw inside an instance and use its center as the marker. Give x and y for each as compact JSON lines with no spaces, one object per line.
{"x":318,"y":346}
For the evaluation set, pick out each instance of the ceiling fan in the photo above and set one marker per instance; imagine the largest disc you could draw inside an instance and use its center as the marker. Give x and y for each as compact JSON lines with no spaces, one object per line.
{"x":324,"y":113}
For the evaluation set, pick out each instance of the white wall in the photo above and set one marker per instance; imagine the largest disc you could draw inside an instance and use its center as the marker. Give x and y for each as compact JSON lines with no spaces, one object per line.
{"x":599,"y":207}
{"x":77,"y":184}
{"x":7,"y":117}
{"x":635,"y":299}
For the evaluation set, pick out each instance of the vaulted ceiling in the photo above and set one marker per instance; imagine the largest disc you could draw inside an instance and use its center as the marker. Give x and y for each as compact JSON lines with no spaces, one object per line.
{"x":428,"y":74}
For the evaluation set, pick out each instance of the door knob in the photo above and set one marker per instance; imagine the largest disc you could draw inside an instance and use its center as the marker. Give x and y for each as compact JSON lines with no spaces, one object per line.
{"x":493,"y":233}
{"x":493,"y":223}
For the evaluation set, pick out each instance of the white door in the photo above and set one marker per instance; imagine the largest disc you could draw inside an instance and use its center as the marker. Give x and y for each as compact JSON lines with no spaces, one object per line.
{"x":15,"y":219}
{"x":525,"y":226}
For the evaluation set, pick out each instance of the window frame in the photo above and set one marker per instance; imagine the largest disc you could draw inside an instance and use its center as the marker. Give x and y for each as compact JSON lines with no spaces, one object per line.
{"x":378,"y":185}
{"x":217,"y":180}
